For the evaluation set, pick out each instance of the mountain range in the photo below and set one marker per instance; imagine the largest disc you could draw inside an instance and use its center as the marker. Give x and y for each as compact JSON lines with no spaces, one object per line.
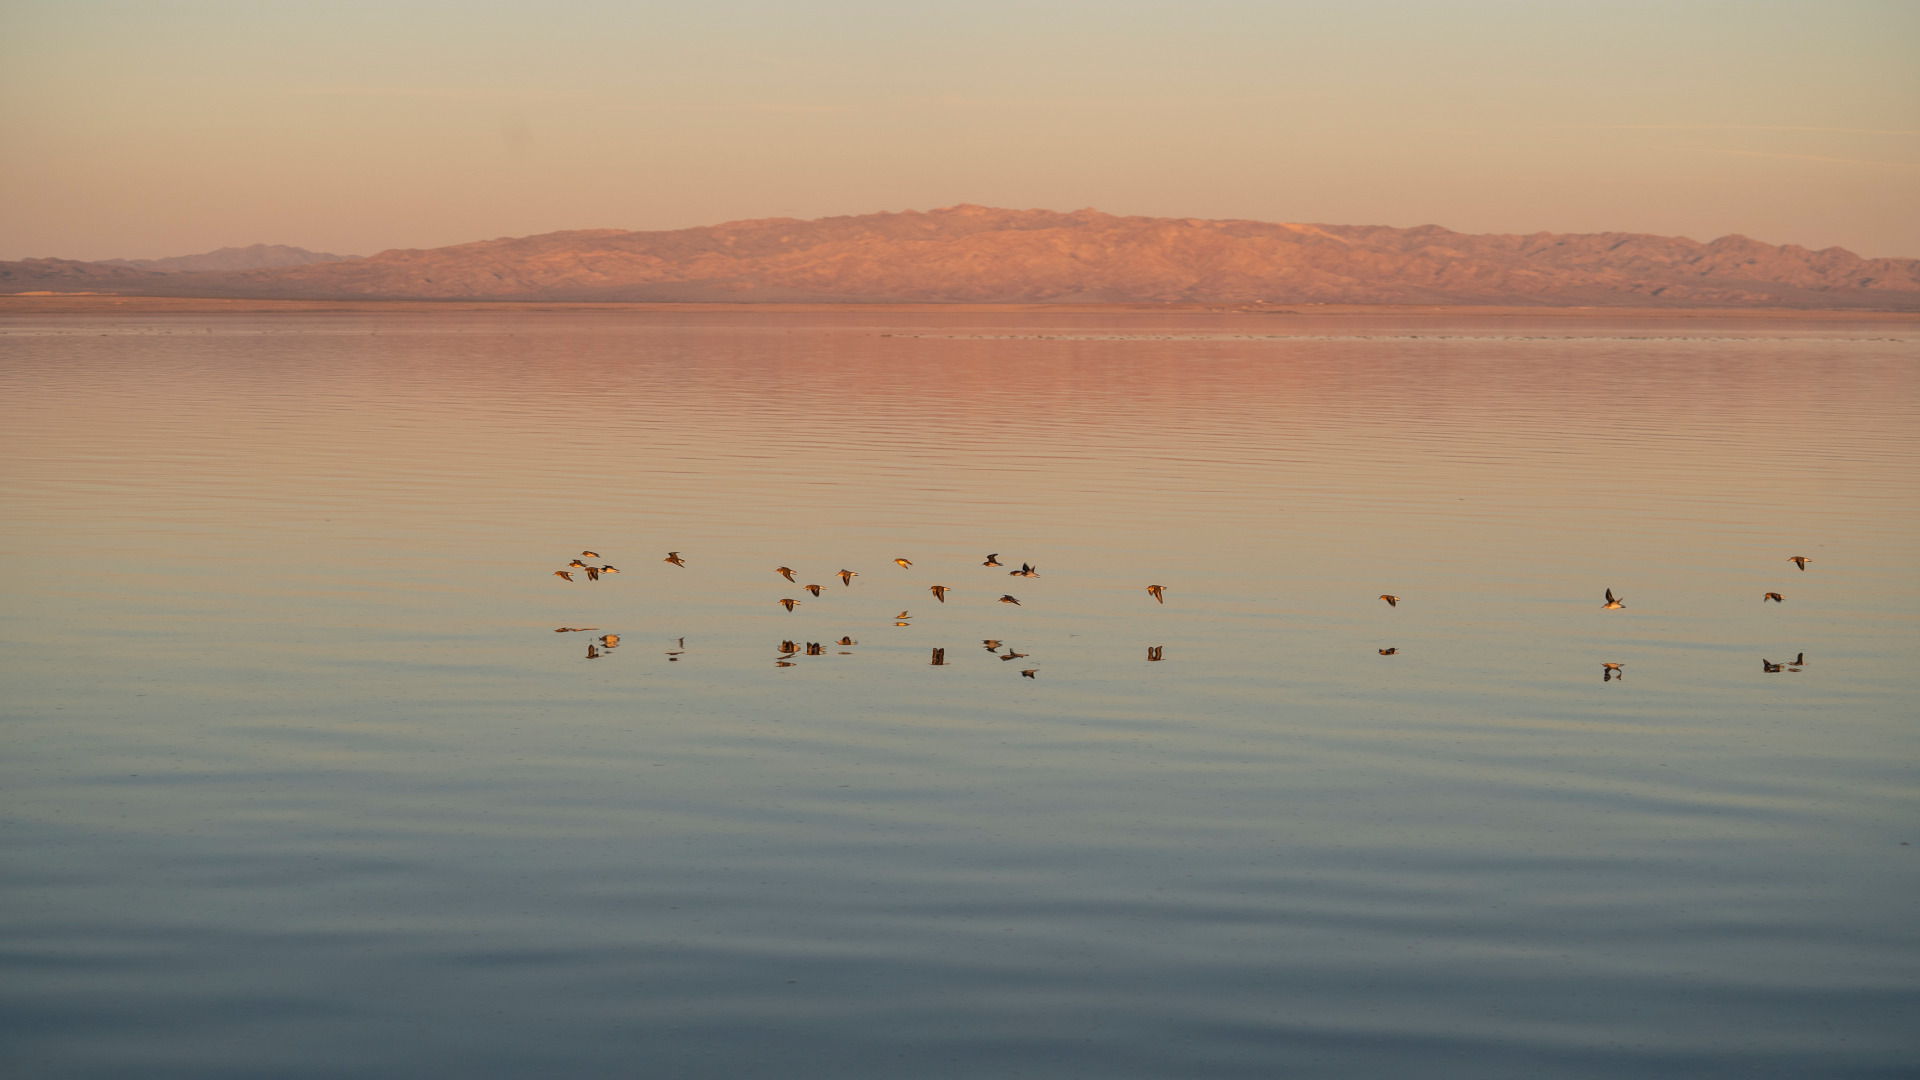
{"x":975,"y":254}
{"x":251,"y":257}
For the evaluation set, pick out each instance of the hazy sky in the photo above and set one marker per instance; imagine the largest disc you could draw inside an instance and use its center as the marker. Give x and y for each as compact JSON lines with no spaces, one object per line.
{"x":141,"y":129}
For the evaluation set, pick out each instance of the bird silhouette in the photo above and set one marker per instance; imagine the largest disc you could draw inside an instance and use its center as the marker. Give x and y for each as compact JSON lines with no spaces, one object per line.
{"x":814,"y":648}
{"x":939,"y":592}
{"x":1024,"y":571}
{"x":1011,"y":655}
{"x":589,"y":554}
{"x":1799,"y":660}
{"x":1613,"y":601}
{"x":784,"y":571}
{"x":991,"y":644}
{"x":992,"y":560}
{"x":1800,"y":561}
{"x":1153,"y":652}
{"x":563,"y":574}
{"x":1009,"y":600}
{"x":904,"y":563}
{"x":1392,"y":601}
{"x":593,"y":652}
{"x":814,"y":589}
{"x":577,"y":565}
{"x":939,"y":658}
{"x":1389,"y":652}
{"x":847,"y":641}
{"x":674,"y":558}
{"x":609,"y":569}
{"x":847,"y":576}
{"x":787,"y":601}
{"x":1773,"y":596}
{"x":789,"y":647}
{"x":1768,"y":665}
{"x":593,"y":573}
{"x":1029,"y":673}
{"x":1157,"y":592}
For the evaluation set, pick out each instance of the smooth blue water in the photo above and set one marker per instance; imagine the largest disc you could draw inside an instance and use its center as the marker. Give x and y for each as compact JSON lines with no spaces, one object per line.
{"x":301,"y":781}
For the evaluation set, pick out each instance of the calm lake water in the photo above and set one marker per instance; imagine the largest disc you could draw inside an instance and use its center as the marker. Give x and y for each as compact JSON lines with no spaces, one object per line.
{"x":300,"y":781}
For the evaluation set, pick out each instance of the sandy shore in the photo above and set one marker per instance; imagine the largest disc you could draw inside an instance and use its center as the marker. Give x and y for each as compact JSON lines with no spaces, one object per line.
{"x":104,"y":304}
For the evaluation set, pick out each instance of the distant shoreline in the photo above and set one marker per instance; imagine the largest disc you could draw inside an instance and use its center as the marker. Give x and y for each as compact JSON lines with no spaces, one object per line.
{"x":107,"y":303}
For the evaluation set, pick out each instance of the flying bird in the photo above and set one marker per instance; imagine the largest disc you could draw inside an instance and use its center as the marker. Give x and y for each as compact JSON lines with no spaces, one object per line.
{"x":814,"y":648}
{"x":788,"y":602}
{"x":1388,"y":652}
{"x":1800,"y":561}
{"x":904,"y":563}
{"x":1011,"y":655}
{"x":674,"y":558}
{"x":1612,"y":602}
{"x":1009,"y":600}
{"x":589,"y":554}
{"x":992,"y":560}
{"x":610,"y":640}
{"x":577,"y":565}
{"x":1028,"y":672}
{"x":939,"y":658}
{"x":593,"y":573}
{"x":609,"y":569}
{"x":1392,"y":601}
{"x":593,"y":653}
{"x":573,"y":629}
{"x":563,"y":574}
{"x":1798,"y":661}
{"x":847,"y":576}
{"x":784,"y":571}
{"x":939,"y":592}
{"x":1024,"y":571}
{"x":1153,"y":652}
{"x":846,"y":641}
{"x":1610,"y":672}
{"x":1773,"y":596}
{"x":1768,"y":665}
{"x":789,"y":647}
{"x":1156,"y":592}
{"x":991,"y":643}
{"x":814,"y":589}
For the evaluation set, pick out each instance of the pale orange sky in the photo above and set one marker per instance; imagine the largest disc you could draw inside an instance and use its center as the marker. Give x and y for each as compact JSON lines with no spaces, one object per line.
{"x":163,"y":128}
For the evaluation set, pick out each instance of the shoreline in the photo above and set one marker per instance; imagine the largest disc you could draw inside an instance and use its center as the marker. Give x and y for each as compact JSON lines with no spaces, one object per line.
{"x":106,"y":303}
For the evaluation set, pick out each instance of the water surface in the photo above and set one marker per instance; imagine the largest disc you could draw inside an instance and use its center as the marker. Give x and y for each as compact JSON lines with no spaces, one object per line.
{"x":300,"y":781}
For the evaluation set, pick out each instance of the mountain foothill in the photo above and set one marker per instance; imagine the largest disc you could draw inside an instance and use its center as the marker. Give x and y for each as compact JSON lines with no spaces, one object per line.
{"x":975,"y":254}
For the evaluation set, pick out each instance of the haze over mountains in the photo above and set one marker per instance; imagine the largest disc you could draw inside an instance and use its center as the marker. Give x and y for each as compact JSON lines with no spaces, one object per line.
{"x":974,"y":254}
{"x":251,"y":257}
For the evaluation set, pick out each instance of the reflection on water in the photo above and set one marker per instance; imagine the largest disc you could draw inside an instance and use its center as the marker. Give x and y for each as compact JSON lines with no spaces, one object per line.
{"x":309,"y":773}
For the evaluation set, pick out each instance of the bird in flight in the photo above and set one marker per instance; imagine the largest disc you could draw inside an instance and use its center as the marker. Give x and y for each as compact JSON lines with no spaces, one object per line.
{"x":1028,"y":672}
{"x":784,"y":571}
{"x":1612,"y":602}
{"x":1388,"y":652}
{"x":1153,"y":652}
{"x":1011,"y":655}
{"x":1156,"y":590}
{"x":1800,"y":561}
{"x":573,"y":629}
{"x":904,"y":563}
{"x":1392,"y":601}
{"x":939,"y":658}
{"x":593,"y":573}
{"x":814,"y":589}
{"x":846,"y":641}
{"x":939,"y":592}
{"x":992,"y":644}
{"x":1768,"y":665}
{"x":847,"y":576}
{"x":903,"y":615}
{"x":1009,"y":600}
{"x":674,"y":558}
{"x":609,"y":640}
{"x":1773,"y":596}
{"x":577,"y":565}
{"x":1798,"y":661}
{"x":992,"y":560}
{"x":1024,"y":571}
{"x":563,"y":574}
{"x":589,"y":554}
{"x":593,"y":652}
{"x":788,"y":602}
{"x":1610,"y":672}
{"x":609,"y":569}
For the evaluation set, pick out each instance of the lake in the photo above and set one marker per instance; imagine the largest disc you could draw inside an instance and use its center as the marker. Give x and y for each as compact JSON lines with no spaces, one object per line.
{"x":301,"y":780}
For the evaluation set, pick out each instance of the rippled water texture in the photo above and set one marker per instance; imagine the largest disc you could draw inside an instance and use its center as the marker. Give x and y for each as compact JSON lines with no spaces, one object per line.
{"x":300,"y":781}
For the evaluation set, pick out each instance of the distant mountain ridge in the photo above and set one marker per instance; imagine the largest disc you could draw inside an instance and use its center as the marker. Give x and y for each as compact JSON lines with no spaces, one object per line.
{"x":975,"y":254}
{"x":251,"y":257}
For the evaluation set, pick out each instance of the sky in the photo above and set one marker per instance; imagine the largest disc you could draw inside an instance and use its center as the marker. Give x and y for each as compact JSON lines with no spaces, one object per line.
{"x":156,"y":128}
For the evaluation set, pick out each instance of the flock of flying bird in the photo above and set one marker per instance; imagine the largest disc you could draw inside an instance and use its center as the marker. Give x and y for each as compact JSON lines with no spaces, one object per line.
{"x":788,"y":649}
